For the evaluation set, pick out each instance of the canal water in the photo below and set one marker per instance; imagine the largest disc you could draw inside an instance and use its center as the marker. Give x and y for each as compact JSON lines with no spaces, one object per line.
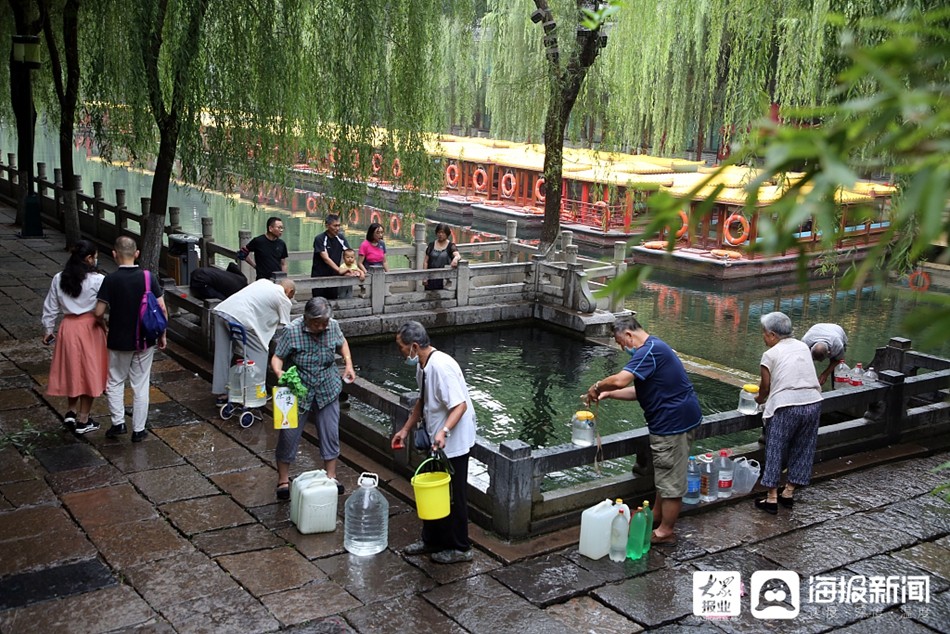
{"x":526,"y":382}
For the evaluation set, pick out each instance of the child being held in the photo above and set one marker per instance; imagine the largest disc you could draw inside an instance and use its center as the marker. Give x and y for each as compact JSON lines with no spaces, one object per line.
{"x":350,"y":268}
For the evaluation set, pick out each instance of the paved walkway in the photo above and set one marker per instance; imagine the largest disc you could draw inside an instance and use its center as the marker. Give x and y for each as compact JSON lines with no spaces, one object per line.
{"x":181,"y":533}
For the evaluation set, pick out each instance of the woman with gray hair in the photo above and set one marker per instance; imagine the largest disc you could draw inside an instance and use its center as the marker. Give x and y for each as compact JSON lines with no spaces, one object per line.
{"x":791,"y":393}
{"x":311,"y":343}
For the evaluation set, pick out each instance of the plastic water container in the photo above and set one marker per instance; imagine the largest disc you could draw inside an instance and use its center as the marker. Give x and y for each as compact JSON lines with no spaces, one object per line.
{"x":619,"y":531}
{"x":842,"y":373}
{"x":746,"y":474}
{"x":747,"y":404}
{"x":317,"y":506}
{"x":692,"y":482}
{"x":297,"y":485}
{"x":870,"y":375}
{"x":647,"y":527}
{"x":857,"y":374}
{"x":366,"y":518}
{"x":595,"y":530}
{"x":582,"y":428}
{"x":618,"y":504}
{"x":724,"y":466}
{"x":635,"y":537}
{"x":254,"y":391}
{"x":708,"y":479}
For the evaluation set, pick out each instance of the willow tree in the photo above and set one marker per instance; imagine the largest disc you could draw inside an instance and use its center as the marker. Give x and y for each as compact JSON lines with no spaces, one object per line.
{"x":62,"y":46}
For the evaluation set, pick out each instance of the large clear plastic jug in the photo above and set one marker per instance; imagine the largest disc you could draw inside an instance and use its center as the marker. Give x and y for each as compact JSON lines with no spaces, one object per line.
{"x":582,"y":428}
{"x":595,"y":529}
{"x":747,"y":404}
{"x":235,"y":387}
{"x":255,"y":376}
{"x":366,"y":518}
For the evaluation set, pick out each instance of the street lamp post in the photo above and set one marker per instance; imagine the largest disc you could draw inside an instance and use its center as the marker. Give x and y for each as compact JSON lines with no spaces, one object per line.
{"x":26,"y":55}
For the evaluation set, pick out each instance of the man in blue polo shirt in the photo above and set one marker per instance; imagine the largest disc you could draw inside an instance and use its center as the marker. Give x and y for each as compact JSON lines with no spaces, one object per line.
{"x":670,"y":406}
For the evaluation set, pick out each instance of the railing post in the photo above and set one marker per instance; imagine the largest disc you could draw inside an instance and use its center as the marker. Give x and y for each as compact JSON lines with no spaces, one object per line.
{"x":419,"y":241}
{"x":893,"y":358}
{"x":567,"y":239}
{"x":244,"y":236}
{"x":577,"y":295}
{"x":511,"y":233}
{"x":207,"y":237}
{"x":570,"y":254}
{"x":464,"y":283}
{"x":14,"y":172}
{"x":41,"y":178}
{"x":97,"y":190}
{"x":620,"y":264}
{"x":377,"y":289}
{"x":146,"y":210}
{"x":895,"y":409}
{"x":58,"y":191}
{"x":174,"y":220}
{"x":512,"y":489}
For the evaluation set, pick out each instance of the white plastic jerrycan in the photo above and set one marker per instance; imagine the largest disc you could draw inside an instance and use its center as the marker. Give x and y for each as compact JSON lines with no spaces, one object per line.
{"x":317,"y":507}
{"x":296,"y":485}
{"x":595,"y":529}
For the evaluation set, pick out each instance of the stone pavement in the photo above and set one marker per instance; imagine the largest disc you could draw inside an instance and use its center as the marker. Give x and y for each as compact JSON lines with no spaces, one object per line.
{"x":182,"y":533}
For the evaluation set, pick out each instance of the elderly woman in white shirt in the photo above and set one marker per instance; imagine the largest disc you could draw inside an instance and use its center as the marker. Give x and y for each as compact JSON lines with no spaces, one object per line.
{"x":791,"y":393}
{"x":80,"y":366}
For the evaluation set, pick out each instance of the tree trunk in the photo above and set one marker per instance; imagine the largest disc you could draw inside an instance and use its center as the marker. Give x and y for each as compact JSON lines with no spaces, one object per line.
{"x":151,"y":246}
{"x":555,"y":122}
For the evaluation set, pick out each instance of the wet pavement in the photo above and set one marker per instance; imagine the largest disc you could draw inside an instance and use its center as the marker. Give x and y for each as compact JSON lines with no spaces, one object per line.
{"x":182,"y":532}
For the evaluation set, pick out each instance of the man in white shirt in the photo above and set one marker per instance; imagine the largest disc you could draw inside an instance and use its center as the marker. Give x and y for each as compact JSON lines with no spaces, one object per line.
{"x":260,"y":308}
{"x":826,"y":341}
{"x":446,"y":409}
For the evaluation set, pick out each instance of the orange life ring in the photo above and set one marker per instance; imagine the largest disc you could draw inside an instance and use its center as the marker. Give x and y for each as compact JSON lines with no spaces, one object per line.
{"x":377,"y":162}
{"x":726,"y":309}
{"x":655,"y":244}
{"x":480,"y":180}
{"x":397,"y":168}
{"x":354,"y":217}
{"x":312,"y":203}
{"x":508,"y":185}
{"x":452,"y":175}
{"x":684,"y":219}
{"x":724,"y":253}
{"x":375,"y":217}
{"x":395,"y":225}
{"x":538,"y":184}
{"x":919,"y":281}
{"x":727,"y":233}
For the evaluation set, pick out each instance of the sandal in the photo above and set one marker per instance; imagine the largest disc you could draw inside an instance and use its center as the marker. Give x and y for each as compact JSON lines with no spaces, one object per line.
{"x":283,"y":491}
{"x":786,"y":501}
{"x":220,"y":400}
{"x":656,"y":539}
{"x":768,"y":507}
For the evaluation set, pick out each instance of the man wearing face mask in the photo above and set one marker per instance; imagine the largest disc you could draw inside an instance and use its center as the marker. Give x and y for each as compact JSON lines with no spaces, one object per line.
{"x":656,"y":378}
{"x":446,"y":409}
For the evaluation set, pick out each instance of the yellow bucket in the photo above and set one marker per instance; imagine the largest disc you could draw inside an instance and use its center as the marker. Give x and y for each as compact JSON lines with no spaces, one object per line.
{"x":433,"y":498}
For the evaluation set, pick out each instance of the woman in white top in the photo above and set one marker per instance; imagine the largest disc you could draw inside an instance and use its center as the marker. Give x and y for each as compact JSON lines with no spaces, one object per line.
{"x":792,"y":395}
{"x":80,"y":366}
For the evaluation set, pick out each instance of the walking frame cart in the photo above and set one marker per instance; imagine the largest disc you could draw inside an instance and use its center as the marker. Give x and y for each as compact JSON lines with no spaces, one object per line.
{"x":245,"y":404}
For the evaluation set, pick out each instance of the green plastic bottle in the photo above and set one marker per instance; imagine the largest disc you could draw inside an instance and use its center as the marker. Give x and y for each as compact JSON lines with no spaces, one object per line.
{"x":647,"y":527}
{"x":635,"y":537}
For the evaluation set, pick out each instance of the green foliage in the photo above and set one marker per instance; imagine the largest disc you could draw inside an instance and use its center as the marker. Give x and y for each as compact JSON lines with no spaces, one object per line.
{"x":944,"y":489}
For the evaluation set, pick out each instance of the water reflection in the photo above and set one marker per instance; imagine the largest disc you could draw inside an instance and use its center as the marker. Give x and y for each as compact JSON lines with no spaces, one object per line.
{"x":526,"y":382}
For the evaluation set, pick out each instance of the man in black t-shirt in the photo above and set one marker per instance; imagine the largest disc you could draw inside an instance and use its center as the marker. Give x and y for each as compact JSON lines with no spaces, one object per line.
{"x":121,"y":295}
{"x":267,"y":253}
{"x":328,"y":248}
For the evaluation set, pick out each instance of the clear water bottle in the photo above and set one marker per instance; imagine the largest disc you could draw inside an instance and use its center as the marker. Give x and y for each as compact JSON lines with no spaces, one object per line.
{"x":366,"y":518}
{"x":692,"y":482}
{"x":870,"y":375}
{"x":235,"y":385}
{"x":725,"y":466}
{"x":857,"y":374}
{"x":647,"y":527}
{"x":708,"y":479}
{"x":842,"y":372}
{"x":635,"y":537}
{"x":582,"y":429}
{"x":619,"y":531}
{"x":255,"y":377}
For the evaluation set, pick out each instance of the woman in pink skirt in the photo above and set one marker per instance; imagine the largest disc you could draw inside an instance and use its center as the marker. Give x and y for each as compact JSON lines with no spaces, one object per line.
{"x":80,"y":364}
